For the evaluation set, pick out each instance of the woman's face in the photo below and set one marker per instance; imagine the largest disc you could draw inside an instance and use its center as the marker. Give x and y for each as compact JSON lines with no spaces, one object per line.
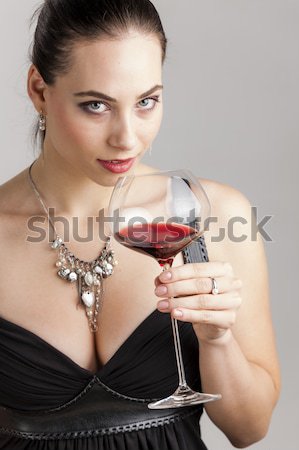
{"x":107,"y":107}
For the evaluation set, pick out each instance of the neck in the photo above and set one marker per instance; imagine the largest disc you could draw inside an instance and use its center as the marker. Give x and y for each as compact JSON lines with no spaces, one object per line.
{"x":70,"y":192}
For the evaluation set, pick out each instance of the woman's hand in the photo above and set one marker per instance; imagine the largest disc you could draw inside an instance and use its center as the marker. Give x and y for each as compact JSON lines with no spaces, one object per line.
{"x":187,"y":295}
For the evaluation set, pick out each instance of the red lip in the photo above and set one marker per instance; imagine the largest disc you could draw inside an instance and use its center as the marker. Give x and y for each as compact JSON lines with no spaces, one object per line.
{"x":123,"y":165}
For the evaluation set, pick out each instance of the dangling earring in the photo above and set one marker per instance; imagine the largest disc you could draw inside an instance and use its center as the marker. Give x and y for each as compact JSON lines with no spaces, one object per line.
{"x":150,"y":150}
{"x":42,"y":122}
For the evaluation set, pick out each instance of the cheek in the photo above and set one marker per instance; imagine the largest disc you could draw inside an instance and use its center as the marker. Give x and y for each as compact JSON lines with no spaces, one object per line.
{"x":68,"y":127}
{"x":152,"y":127}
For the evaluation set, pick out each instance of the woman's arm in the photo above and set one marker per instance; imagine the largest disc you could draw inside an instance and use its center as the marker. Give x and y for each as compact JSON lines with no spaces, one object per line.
{"x":237,"y":348}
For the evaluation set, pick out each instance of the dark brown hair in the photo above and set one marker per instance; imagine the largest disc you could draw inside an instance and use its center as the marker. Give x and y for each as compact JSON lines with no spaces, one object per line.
{"x":61,"y":23}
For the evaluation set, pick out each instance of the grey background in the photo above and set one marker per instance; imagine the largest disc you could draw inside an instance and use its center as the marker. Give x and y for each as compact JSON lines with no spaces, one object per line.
{"x":231,"y":114}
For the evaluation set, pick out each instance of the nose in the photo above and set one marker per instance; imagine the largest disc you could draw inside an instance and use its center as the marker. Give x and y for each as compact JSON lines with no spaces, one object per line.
{"x":123,"y":135}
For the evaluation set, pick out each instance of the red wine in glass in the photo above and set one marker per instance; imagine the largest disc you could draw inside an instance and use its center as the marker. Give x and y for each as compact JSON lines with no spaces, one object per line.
{"x":163,"y":241}
{"x":159,"y":214}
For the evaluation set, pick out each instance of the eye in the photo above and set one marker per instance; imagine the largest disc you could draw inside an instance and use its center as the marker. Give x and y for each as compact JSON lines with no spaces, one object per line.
{"x":149,"y":103}
{"x":95,"y":107}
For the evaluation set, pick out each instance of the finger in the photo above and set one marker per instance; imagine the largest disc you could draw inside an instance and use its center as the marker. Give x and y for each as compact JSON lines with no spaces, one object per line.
{"x":197,"y":270}
{"x":222,"y":302}
{"x":202,"y":302}
{"x":157,"y":281}
{"x":197,"y":286}
{"x":221,"y":319}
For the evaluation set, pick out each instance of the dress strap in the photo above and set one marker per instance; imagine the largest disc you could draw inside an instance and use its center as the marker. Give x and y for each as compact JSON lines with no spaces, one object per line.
{"x":196,"y":252}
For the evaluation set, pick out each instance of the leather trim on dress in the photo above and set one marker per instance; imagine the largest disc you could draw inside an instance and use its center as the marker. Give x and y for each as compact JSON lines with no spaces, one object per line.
{"x":97,"y":410}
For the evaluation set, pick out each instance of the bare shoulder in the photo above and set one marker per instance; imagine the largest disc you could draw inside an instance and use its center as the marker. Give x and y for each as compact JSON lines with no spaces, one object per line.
{"x":226,"y":201}
{"x":15,"y":202}
{"x":234,"y":238}
{"x":233,"y":234}
{"x":14,"y":191}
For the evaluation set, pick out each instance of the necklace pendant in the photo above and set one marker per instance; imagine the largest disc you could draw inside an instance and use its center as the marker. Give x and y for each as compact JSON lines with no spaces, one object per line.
{"x":88,"y":298}
{"x":88,"y":275}
{"x":89,"y":279}
{"x":72,"y":277}
{"x":64,"y":273}
{"x":107,"y":269}
{"x":98,"y":270}
{"x":57,"y":243}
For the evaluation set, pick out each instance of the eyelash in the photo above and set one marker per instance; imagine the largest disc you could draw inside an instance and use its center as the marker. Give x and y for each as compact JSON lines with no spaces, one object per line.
{"x":85,"y":106}
{"x":156,"y":99}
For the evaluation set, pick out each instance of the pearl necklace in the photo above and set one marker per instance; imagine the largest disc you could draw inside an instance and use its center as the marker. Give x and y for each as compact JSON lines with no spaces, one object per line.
{"x":88,"y":275}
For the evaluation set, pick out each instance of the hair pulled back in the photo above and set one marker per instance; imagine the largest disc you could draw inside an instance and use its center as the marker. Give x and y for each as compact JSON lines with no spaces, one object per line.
{"x":62,"y":23}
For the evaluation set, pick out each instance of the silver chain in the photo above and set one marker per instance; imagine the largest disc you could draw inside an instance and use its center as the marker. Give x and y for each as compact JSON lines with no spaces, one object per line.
{"x":88,"y":275}
{"x":39,"y":197}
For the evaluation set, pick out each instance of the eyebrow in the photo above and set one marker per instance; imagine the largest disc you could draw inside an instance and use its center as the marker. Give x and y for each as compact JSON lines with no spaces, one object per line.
{"x":100,"y":95}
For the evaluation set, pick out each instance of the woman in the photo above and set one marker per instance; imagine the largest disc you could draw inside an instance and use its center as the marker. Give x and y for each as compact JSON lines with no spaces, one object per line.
{"x":73,"y":379}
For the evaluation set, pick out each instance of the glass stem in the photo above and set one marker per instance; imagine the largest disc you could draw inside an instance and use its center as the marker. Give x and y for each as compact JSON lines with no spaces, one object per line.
{"x":178,"y":353}
{"x":177,"y":345}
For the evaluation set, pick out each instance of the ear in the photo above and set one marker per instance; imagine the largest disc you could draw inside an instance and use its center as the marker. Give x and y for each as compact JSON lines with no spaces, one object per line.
{"x":36,"y":88}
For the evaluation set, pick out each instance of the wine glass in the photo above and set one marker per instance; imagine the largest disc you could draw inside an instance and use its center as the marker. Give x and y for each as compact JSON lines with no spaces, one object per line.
{"x":159,"y":214}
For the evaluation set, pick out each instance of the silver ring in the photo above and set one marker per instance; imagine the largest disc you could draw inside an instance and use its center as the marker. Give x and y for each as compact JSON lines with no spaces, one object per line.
{"x":215,"y":289}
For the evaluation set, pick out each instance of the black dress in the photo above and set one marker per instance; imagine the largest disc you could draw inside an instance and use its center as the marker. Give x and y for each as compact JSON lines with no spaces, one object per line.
{"x":49,"y":402}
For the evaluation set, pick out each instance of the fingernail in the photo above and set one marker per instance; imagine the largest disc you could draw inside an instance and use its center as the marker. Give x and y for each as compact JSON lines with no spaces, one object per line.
{"x":161,"y":290}
{"x":165,"y":276}
{"x":164,"y":304}
{"x":177,"y":313}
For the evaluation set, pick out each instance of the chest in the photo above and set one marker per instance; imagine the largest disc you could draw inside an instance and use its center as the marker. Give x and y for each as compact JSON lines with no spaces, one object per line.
{"x":33,"y":296}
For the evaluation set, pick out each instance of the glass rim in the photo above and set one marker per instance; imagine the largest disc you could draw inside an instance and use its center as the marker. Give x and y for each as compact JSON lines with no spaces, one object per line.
{"x":126,"y":179}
